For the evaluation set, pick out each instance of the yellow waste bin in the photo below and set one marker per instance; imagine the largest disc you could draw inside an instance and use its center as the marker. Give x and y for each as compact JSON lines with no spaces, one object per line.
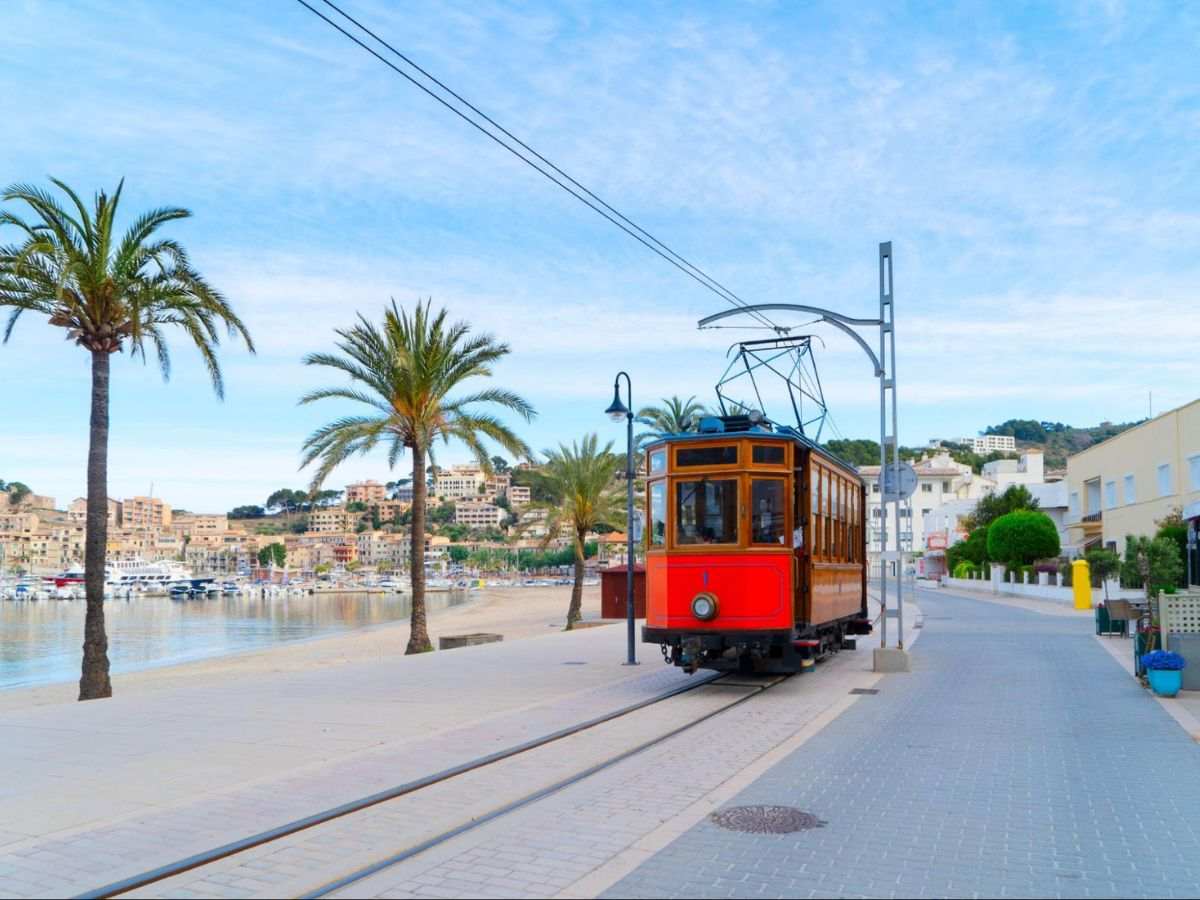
{"x":1081,"y":579}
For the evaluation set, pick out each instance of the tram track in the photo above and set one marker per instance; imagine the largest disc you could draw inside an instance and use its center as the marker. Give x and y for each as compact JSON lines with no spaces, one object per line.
{"x":209,"y":858}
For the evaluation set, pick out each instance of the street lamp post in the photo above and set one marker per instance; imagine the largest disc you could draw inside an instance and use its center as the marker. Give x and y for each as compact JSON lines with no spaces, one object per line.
{"x":617,"y":411}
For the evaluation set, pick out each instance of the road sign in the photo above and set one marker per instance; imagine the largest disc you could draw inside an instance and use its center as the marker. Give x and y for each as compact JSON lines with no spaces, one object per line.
{"x":907,"y":484}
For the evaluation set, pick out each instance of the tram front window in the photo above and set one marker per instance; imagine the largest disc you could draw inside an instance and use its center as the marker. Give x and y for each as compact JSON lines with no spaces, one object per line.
{"x":766,"y":504}
{"x":706,"y":512}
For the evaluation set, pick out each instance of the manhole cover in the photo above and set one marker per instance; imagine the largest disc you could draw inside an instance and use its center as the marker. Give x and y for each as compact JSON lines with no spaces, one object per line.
{"x":864,"y":690}
{"x":766,"y":819}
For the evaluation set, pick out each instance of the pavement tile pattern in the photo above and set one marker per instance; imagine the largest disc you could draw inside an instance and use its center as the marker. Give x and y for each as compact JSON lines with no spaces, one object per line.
{"x":1017,"y":759}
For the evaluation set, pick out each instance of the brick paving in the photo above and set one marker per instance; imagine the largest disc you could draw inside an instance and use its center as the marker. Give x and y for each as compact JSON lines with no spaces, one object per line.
{"x":545,"y":849}
{"x":1017,"y":759}
{"x":95,"y":792}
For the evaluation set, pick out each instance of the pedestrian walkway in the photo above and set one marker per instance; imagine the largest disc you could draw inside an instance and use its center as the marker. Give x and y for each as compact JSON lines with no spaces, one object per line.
{"x":1017,"y":759}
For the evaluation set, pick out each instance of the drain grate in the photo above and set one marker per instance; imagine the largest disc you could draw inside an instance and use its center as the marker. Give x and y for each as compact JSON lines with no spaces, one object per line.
{"x":864,"y":690}
{"x":766,"y":819}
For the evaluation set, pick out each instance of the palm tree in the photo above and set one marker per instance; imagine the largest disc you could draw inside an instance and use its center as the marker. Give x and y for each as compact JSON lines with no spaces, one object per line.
{"x":580,"y":481}
{"x":674,"y":416}
{"x":404,"y":371}
{"x":108,"y":291}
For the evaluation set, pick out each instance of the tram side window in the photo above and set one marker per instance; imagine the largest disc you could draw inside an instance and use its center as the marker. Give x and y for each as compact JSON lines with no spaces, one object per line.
{"x":706,"y":512}
{"x":658,"y":514}
{"x":768,"y":515}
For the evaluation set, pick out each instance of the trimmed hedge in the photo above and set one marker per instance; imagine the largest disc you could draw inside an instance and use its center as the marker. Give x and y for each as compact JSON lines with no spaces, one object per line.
{"x":1022,"y":536}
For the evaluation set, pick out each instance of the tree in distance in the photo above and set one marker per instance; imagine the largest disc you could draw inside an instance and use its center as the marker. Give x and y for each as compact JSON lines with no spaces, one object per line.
{"x":580,"y":481}
{"x":672,"y":415}
{"x":110,"y":291}
{"x":405,"y":371}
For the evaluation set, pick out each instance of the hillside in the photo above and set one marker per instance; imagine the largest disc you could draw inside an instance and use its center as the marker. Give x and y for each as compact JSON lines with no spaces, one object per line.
{"x":1056,"y":440}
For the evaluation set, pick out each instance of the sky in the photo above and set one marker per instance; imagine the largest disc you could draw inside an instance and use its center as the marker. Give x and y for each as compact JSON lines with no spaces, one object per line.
{"x":1035,"y":166}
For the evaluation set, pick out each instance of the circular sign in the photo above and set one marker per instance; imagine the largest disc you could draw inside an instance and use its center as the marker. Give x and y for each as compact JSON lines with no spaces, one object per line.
{"x":902,"y":489}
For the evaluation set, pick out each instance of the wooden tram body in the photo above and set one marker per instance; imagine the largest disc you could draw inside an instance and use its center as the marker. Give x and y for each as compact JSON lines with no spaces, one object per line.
{"x":755,"y":549}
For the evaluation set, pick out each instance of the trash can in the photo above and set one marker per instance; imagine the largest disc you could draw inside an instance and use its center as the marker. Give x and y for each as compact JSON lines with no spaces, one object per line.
{"x":612,"y":592}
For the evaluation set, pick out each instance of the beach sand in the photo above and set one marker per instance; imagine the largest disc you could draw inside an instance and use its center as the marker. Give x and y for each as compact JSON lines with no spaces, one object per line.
{"x":515,"y":613}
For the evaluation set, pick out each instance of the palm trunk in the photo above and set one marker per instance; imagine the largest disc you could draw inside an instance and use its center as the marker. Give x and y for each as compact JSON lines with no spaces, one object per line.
{"x":94,"y":682}
{"x":575,"y":612}
{"x":418,"y":633}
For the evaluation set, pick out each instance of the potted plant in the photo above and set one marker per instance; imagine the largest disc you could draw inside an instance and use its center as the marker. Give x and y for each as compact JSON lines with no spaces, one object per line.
{"x":1164,"y":670}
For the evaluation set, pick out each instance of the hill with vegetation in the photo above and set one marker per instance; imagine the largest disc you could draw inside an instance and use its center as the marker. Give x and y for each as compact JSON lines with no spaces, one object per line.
{"x":1056,"y":440}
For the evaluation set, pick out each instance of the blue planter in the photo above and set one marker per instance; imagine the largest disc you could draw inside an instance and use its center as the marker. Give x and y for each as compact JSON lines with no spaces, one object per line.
{"x":1165,"y":682}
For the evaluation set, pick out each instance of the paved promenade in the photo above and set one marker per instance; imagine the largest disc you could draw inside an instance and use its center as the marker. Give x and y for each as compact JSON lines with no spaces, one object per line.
{"x":1018,"y":759}
{"x":93,"y":792}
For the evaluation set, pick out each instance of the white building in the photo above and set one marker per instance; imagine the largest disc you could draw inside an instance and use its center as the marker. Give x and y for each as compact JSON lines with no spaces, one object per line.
{"x":986,"y":443}
{"x":944,"y":525}
{"x":939,"y":480}
{"x":459,"y":482}
{"x":477,"y":514}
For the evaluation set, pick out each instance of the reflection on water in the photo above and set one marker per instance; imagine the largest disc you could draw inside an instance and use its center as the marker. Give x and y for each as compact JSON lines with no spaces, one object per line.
{"x":41,"y":641}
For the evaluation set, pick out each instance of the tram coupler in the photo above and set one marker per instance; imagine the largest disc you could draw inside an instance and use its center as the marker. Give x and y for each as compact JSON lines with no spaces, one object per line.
{"x":691,"y":651}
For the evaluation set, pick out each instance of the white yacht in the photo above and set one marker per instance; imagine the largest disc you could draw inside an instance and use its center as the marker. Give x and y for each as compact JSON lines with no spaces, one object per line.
{"x":128,"y":572}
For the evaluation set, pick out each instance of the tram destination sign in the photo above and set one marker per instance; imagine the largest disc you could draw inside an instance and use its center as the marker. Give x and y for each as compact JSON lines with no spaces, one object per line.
{"x":903,"y":488}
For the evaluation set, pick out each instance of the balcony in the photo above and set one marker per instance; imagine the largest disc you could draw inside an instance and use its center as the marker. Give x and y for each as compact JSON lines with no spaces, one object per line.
{"x":1090,"y":523}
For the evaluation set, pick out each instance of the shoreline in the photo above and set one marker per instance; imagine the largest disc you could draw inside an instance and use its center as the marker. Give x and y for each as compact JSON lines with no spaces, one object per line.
{"x":516,"y":613}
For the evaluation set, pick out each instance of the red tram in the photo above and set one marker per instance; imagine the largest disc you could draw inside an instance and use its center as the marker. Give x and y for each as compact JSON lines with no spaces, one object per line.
{"x":756,"y":548}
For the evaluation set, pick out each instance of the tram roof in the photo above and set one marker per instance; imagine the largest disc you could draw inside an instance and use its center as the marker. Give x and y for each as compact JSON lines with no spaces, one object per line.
{"x":758,"y":432}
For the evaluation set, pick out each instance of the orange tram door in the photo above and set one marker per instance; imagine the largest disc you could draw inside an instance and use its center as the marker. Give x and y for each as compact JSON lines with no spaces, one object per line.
{"x":755,"y":549}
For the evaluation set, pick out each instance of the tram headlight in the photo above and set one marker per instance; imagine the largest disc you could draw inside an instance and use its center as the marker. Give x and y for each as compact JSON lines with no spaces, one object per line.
{"x":704,"y":607}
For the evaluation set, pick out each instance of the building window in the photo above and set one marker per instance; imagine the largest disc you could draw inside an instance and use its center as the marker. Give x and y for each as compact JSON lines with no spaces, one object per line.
{"x":1164,"y":480}
{"x":1194,"y":469}
{"x":1074,"y":502}
{"x":874,"y":487}
{"x":1110,"y":494}
{"x":927,"y":488}
{"x":1130,"y":490}
{"x":945,"y":487}
{"x":926,"y":512}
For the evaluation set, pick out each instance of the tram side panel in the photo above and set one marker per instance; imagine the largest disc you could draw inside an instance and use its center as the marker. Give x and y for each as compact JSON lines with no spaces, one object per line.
{"x":833,"y":506}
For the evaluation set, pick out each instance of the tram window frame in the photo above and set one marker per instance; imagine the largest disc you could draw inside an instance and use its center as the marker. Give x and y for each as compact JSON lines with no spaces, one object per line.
{"x":782,"y":462}
{"x":786,"y":525}
{"x":653,"y":456}
{"x":680,"y":467}
{"x":677,"y":518}
{"x":661,"y":544}
{"x":814,"y":512}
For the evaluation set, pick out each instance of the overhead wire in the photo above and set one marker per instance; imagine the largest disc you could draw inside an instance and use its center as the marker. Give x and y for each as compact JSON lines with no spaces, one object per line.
{"x":542,"y":165}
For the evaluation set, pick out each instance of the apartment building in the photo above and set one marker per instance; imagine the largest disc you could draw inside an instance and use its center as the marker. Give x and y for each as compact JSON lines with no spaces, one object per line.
{"x":988,"y":443}
{"x":368,"y":492}
{"x":331,"y":519}
{"x":477,"y":514}
{"x":194,"y":526}
{"x":939,"y":480}
{"x":518,"y":496}
{"x":77,"y":511}
{"x":460,"y":482}
{"x":145,"y":512}
{"x":1126,"y":484}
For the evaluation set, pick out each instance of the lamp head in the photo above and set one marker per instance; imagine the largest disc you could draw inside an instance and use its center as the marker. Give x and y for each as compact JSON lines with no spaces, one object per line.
{"x":617,"y":410}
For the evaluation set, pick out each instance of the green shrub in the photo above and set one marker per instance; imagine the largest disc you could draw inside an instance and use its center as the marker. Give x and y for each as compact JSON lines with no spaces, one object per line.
{"x":1021,"y":537}
{"x":964,"y":570}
